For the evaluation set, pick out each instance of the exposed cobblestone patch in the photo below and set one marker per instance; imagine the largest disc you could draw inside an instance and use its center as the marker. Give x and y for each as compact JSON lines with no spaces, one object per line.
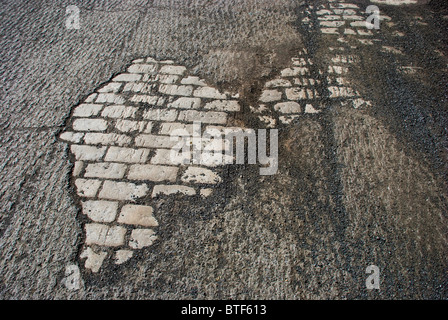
{"x":120,"y":135}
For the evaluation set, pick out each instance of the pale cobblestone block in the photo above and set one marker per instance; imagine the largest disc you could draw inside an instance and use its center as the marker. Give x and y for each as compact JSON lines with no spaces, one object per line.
{"x":205,"y":192}
{"x":200,"y":175}
{"x":125,"y":77}
{"x":117,"y":154}
{"x":142,"y":68}
{"x":77,"y":168}
{"x":310,"y":109}
{"x":138,"y":87}
{"x":165,"y":156}
{"x":154,"y":100}
{"x":349,"y":12}
{"x":349,"y":31}
{"x":130,"y":125}
{"x":186,"y":103}
{"x":91,"y":98}
{"x":178,"y":70}
{"x":366,"y":42}
{"x":121,"y":256}
{"x":288,"y":119}
{"x":362,"y":32}
{"x":337,"y":69}
{"x":109,"y":98}
{"x":93,"y":260}
{"x":155,"y":141}
{"x":344,"y":5}
{"x":310,"y":94}
{"x":74,"y":137}
{"x":141,"y":238}
{"x":329,"y":30}
{"x":110,"y":87}
{"x":352,"y":17}
{"x":150,"y":78}
{"x":259,"y":109}
{"x":208,"y":92}
{"x":103,"y":235}
{"x":134,"y":86}
{"x":294,"y":72}
{"x":168,"y":78}
{"x":270,"y":95}
{"x":296,"y":94}
{"x":122,"y":190}
{"x":148,"y":128}
{"x":86,"y":124}
{"x":119,"y":112}
{"x":87,"y":153}
{"x":288,"y":107}
{"x":223,"y":105}
{"x":138,"y":61}
{"x":107,"y":139}
{"x":137,"y":215}
{"x":278,"y":83}
{"x":176,"y":90}
{"x":172,"y":189}
{"x":160,"y":115}
{"x":299,"y":62}
{"x":358,"y":24}
{"x":87,"y":187}
{"x":100,"y":210}
{"x":87,"y":110}
{"x":334,"y":24}
{"x":211,"y":159}
{"x":152,"y":173}
{"x":193,"y":81}
{"x":107,"y":170}
{"x":168,"y":128}
{"x":202,"y":116}
{"x":336,"y":92}
{"x":167,"y":62}
{"x":330,"y":17}
{"x":323,"y":12}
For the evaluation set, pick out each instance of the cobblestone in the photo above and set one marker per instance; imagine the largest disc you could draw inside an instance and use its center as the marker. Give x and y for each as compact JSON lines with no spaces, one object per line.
{"x":128,"y":155}
{"x":137,"y":215}
{"x":105,"y":170}
{"x":100,"y":211}
{"x":152,"y":172}
{"x":201,"y":116}
{"x":103,"y":235}
{"x":106,"y":139}
{"x":119,"y":112}
{"x":87,"y":110}
{"x":89,"y":125}
{"x":172,"y":189}
{"x":87,"y":153}
{"x":141,"y":238}
{"x":122,"y":190}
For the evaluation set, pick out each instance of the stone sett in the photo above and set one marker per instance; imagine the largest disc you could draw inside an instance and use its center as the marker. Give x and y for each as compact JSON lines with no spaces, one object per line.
{"x":122,"y":190}
{"x":152,"y":172}
{"x":103,"y":235}
{"x":128,"y":155}
{"x":100,"y":210}
{"x":107,"y":170}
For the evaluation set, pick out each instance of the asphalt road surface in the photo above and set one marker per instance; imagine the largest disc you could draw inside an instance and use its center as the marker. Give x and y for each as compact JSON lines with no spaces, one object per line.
{"x":362,"y":162}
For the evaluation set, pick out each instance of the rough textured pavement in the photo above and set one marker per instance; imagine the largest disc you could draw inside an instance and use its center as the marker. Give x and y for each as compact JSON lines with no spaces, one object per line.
{"x":362,"y":152}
